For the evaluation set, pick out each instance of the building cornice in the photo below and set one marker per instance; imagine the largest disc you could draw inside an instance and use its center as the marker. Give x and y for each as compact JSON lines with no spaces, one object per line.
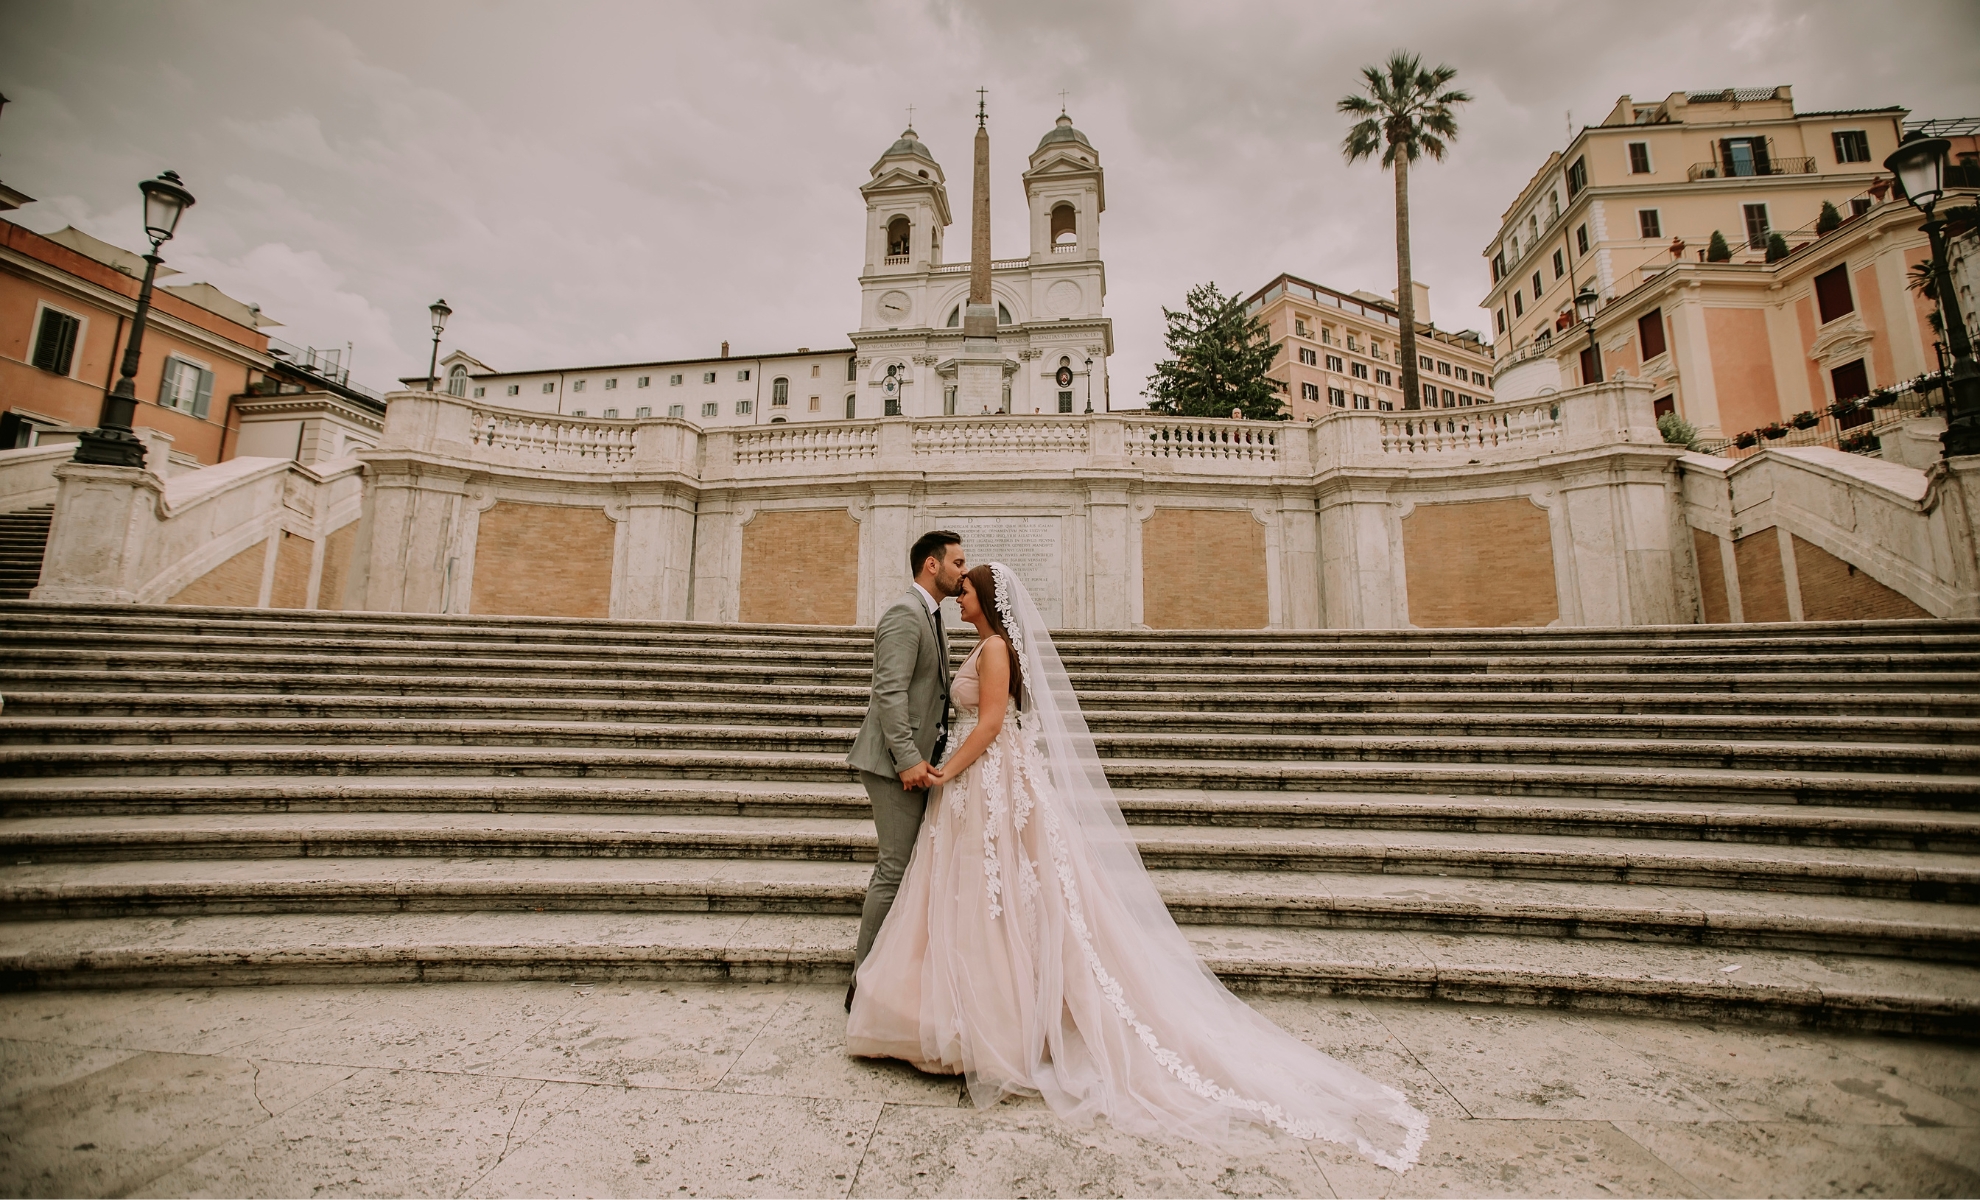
{"x":86,"y":292}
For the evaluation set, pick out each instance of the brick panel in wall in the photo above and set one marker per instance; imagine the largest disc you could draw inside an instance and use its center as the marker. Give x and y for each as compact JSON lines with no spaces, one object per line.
{"x":292,"y":559}
{"x":1762,"y":582}
{"x":336,"y":565}
{"x":543,"y":560}
{"x":801,"y":568}
{"x":1203,"y":568}
{"x":1711,"y":577}
{"x":236,"y":581}
{"x":1833,"y":590}
{"x":1479,"y":564}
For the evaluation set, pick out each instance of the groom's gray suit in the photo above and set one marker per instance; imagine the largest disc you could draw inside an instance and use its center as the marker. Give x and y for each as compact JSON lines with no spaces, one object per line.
{"x":908,"y":710}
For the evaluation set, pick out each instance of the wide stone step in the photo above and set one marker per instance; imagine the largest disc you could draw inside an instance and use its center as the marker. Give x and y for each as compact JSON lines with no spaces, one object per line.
{"x":1701,"y":916}
{"x":1691,"y":816}
{"x":1318,"y":718}
{"x":1875,"y":874}
{"x":1894,"y":757}
{"x":1697,"y":983}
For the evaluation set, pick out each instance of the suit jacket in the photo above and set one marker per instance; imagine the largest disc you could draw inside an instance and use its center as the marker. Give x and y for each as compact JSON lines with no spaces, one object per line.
{"x":910,"y":698}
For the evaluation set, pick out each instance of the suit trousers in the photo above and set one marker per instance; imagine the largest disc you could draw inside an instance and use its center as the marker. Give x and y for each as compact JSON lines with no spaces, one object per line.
{"x":897,"y":816}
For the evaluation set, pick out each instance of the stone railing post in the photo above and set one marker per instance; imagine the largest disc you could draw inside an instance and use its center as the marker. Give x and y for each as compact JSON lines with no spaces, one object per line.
{"x":1607,"y":414}
{"x":896,"y":446}
{"x":104,"y":518}
{"x":1107,"y":442}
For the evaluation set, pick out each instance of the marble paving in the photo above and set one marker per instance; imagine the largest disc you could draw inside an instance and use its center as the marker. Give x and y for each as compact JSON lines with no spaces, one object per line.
{"x":654,"y":1089}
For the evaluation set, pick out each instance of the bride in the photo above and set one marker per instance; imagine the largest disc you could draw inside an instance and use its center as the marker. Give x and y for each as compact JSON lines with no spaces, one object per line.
{"x":1029,"y":951}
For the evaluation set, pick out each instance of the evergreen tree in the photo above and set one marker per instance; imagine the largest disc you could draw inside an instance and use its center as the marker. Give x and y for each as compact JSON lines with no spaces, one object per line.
{"x":1777,"y":247}
{"x":1830,"y":219}
{"x":1221,"y":356}
{"x":1718,"y":251}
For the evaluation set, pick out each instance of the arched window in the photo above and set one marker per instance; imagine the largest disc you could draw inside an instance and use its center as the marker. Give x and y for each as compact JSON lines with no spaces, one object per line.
{"x":899,"y":238}
{"x":457,"y":380}
{"x":955,"y":316}
{"x":1003,"y":314}
{"x":852,"y":405}
{"x":852,"y":370}
{"x":780,"y":391}
{"x":1065,"y":227}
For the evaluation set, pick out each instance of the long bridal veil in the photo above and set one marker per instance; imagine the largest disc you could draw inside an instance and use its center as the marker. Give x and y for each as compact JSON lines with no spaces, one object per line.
{"x":1219,"y":1061}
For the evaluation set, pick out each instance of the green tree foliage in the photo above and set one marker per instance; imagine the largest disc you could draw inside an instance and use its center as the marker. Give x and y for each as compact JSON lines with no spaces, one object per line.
{"x":1221,"y":356}
{"x":1404,"y":115}
{"x":1777,"y":247}
{"x":1676,"y":430}
{"x":1718,"y":251}
{"x":1830,"y":219}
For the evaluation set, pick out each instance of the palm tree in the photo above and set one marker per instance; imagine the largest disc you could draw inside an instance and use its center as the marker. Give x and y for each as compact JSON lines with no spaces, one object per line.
{"x":1405,"y":115}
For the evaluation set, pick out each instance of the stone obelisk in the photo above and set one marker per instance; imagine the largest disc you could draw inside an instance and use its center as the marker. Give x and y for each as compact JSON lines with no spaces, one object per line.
{"x":981,"y":367}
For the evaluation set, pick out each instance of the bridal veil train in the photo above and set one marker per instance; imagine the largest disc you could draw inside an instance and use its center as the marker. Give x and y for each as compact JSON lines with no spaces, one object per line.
{"x":1029,"y":951}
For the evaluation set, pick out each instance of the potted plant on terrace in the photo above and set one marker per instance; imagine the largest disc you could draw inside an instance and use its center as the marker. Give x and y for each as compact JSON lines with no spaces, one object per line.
{"x":1830,"y":220}
{"x":1843,"y":408}
{"x":1747,"y":440}
{"x":1804,"y":420}
{"x":1716,"y":250}
{"x":1773,"y":431}
{"x":1881,"y":398}
{"x":1861,"y":443}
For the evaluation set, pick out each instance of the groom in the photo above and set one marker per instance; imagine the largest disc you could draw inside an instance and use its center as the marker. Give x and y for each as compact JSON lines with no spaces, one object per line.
{"x":906,"y":720}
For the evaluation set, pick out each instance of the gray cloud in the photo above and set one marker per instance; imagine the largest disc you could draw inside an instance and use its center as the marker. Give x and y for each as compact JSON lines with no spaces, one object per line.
{"x":604,"y":182}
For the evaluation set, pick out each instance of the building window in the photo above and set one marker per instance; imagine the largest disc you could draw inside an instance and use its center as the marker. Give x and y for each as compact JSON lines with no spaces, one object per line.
{"x":677,"y":410}
{"x":646,"y":381}
{"x":1336,"y":397}
{"x":1519,"y":306}
{"x":1481,"y":379}
{"x":1639,"y":158}
{"x":610,"y":412}
{"x":1450,"y":398}
{"x":1358,"y":370}
{"x":644,"y":410}
{"x":1363,"y":402}
{"x":577,"y":412}
{"x":1463,"y":376}
{"x":1560,"y":269}
{"x":1858,"y":205}
{"x":1464,"y":401}
{"x":1498,"y":266}
{"x":814,"y":405}
{"x":186,"y":386}
{"x":742,"y":376}
{"x":1424,"y":362}
{"x":1299,"y":327}
{"x":1649,"y":223}
{"x":673,"y":381}
{"x":1065,"y":402}
{"x":1326,"y":336}
{"x":1334,"y":363}
{"x":1385,"y":378}
{"x":780,"y":391}
{"x":814,"y":370}
{"x":514,"y":388}
{"x":1351,"y":344}
{"x":708,"y":377}
{"x":852,"y":401}
{"x":55,"y":341}
{"x":1308,"y":357}
{"x":1443,"y":368}
{"x":1384,"y":406}
{"x":1430,"y":394}
{"x":1577,"y":177}
{"x":549,"y":388}
{"x":1650,"y":333}
{"x":480,"y":392}
{"x":1581,"y":239}
{"x":457,"y":380}
{"x":1756,"y":224}
{"x":1832,"y":294}
{"x":1852,"y":145}
{"x":852,"y":370}
{"x":1740,"y":157}
{"x":578,"y":386}
{"x":710,"y":409}
{"x":1536,"y":285}
{"x":1309,"y":391}
{"x":612,"y":384}
{"x":745,"y":407}
{"x":1850,"y":380}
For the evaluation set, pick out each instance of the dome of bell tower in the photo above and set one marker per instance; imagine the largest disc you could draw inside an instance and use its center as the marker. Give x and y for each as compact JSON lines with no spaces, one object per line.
{"x":1062,"y":131}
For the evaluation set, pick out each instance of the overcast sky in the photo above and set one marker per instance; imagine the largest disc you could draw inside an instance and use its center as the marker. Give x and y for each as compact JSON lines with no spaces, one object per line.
{"x":593,"y":182}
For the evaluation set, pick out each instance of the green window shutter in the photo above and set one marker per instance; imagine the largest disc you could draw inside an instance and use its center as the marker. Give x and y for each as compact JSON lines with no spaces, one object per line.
{"x":55,"y":343}
{"x":168,"y":384}
{"x":204,"y":396}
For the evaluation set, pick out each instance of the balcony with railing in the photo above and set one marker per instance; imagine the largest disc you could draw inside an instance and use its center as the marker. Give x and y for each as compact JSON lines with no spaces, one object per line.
{"x":1749,"y":169}
{"x":330,"y":366}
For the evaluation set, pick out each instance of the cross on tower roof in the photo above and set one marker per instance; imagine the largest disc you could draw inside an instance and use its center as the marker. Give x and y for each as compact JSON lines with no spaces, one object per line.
{"x":981,"y":112}
{"x":1062,"y":102}
{"x":910,"y":116}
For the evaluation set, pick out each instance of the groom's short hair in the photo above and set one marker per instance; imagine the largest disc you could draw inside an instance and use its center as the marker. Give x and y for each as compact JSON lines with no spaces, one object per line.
{"x":930,"y":544}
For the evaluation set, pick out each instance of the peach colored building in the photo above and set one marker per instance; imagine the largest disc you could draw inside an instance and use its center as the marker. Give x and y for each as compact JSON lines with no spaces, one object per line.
{"x":1651,"y":184}
{"x":66,"y":302}
{"x":1339,"y":351}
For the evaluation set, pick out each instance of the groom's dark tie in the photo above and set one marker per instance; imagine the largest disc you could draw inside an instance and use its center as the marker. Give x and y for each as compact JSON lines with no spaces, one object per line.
{"x":942,"y":669}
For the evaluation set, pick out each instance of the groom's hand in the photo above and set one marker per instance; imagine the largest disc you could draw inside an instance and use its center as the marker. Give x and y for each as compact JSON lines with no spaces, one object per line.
{"x":917,"y":777}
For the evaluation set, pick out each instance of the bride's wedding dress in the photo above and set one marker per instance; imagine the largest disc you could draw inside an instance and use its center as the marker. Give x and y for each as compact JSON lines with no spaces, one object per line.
{"x":1028,"y":950}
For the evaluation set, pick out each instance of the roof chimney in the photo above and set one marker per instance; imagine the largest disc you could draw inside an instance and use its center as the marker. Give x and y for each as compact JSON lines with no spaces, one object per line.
{"x":725,"y":349}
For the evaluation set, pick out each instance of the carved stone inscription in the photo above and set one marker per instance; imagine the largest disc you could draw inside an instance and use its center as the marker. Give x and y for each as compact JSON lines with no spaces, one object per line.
{"x":1029,"y":546}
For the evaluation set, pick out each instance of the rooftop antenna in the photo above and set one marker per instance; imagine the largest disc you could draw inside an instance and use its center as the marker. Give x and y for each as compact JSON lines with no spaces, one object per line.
{"x":1570,"y":124}
{"x":981,"y":113}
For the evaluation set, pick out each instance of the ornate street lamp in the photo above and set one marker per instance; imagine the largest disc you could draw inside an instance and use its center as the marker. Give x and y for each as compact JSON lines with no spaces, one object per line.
{"x":440,"y":313}
{"x":112,"y":443}
{"x":1920,"y":165}
{"x":1584,"y":306}
{"x":1089,"y":387}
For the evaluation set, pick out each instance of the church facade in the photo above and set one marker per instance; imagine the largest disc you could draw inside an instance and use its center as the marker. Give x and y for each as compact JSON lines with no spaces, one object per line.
{"x":1052,"y":342}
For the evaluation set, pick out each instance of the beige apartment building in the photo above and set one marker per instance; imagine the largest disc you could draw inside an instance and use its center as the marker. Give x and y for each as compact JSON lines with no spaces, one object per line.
{"x":1651,"y":184}
{"x":1340,"y":351}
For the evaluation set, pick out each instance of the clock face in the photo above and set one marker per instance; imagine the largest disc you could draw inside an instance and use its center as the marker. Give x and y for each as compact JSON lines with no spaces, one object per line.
{"x":894,"y":306}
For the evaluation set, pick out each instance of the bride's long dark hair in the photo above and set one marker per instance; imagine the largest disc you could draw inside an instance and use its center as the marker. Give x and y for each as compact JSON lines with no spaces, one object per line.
{"x":984,"y":580}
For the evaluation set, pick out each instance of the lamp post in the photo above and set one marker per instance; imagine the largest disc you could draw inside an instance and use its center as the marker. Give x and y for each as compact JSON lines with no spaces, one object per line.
{"x":112,"y":443}
{"x":440,"y":313}
{"x":1919,"y":165}
{"x":1089,"y":387}
{"x":1584,"y":306}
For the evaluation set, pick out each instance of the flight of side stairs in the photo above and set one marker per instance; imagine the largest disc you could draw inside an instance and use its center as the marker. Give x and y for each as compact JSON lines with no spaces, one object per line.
{"x":1772,"y":823}
{"x":23,"y":544}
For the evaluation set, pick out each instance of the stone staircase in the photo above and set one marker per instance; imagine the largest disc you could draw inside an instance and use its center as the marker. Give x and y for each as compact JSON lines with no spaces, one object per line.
{"x":1776,"y":823}
{"x":23,"y":542}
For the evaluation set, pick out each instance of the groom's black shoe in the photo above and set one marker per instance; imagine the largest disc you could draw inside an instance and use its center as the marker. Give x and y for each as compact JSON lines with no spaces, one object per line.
{"x":850,"y":989}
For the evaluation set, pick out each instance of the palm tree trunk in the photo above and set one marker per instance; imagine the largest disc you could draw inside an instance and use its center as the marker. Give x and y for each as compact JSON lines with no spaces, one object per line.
{"x":1405,"y":291}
